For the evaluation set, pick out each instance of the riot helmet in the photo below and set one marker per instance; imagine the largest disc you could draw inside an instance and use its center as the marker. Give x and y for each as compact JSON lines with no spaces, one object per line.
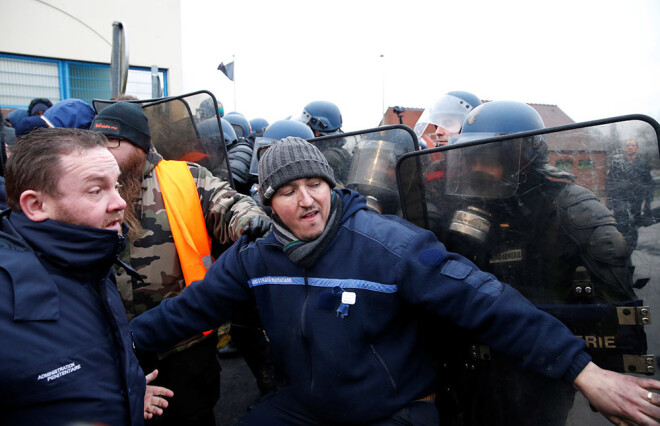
{"x":208,"y":132}
{"x":470,"y":98}
{"x":278,"y":130}
{"x":208,"y":129}
{"x":448,"y":113}
{"x":239,"y":153}
{"x":206,"y":110}
{"x":228,"y":132}
{"x":259,"y":126}
{"x":285,"y":128}
{"x":240,"y":124}
{"x":495,"y":167}
{"x":502,"y":117}
{"x":322,"y":117}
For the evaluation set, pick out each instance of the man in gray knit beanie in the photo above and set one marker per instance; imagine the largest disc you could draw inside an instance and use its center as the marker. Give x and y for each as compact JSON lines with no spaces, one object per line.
{"x":296,"y":180}
{"x":290,"y":159}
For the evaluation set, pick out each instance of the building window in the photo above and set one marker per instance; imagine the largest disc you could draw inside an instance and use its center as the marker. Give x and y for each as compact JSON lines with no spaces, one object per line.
{"x":24,"y":78}
{"x":89,"y":81}
{"x":586,"y":164}
{"x":564,"y":164}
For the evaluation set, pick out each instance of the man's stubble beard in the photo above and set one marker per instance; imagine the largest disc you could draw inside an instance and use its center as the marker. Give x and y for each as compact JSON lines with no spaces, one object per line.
{"x":130,"y":190}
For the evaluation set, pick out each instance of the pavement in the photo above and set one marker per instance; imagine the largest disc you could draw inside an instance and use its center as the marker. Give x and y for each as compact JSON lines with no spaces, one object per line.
{"x":238,"y":391}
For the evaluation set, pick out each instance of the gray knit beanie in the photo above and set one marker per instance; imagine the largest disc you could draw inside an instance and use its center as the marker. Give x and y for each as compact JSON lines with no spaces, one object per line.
{"x":290,"y":159}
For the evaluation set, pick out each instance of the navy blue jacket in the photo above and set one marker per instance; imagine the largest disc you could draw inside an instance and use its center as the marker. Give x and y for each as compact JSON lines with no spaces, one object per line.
{"x":363,"y":361}
{"x":67,"y":352}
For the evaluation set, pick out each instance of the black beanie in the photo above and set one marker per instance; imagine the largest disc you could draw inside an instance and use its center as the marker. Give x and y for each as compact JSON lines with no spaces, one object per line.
{"x":124,"y":120}
{"x":290,"y":159}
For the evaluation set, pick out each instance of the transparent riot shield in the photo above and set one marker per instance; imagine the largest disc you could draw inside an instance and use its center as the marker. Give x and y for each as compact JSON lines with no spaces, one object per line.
{"x":187,"y":128}
{"x":569,"y":217}
{"x":260,"y":145}
{"x":365,"y":162}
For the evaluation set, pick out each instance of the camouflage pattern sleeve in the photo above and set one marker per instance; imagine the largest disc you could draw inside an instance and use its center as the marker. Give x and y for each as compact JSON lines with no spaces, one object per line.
{"x":226,"y":211}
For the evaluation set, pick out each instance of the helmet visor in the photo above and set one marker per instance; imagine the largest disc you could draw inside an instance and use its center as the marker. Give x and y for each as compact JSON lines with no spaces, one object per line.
{"x":316,"y":123}
{"x":448,"y":112}
{"x":484,"y":171}
{"x":260,"y":146}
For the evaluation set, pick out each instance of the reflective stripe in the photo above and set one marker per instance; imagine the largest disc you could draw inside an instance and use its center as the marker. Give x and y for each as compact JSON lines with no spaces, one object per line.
{"x":276,"y":281}
{"x":326,"y":282}
{"x":353,"y":284}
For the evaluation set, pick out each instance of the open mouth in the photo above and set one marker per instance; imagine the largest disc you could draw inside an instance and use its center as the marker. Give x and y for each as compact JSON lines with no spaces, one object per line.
{"x":114,"y":225}
{"x":309,"y":216}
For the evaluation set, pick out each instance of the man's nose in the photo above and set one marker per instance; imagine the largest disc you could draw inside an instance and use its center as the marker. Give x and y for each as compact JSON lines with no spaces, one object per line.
{"x":305,"y":197}
{"x":116,"y":203}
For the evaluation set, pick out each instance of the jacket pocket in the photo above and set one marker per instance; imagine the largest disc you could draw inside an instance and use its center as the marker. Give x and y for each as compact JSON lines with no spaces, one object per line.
{"x":383,"y":365}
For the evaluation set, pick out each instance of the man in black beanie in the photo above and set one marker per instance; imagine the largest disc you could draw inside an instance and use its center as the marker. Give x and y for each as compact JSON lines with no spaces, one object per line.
{"x":346,"y":296}
{"x":175,"y":210}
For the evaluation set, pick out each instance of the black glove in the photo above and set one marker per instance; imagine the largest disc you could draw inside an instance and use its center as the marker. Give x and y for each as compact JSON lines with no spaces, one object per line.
{"x":257,"y":227}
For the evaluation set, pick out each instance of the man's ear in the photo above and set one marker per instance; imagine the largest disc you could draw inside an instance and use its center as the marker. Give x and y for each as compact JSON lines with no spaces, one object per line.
{"x":33,"y":205}
{"x":274,"y":213}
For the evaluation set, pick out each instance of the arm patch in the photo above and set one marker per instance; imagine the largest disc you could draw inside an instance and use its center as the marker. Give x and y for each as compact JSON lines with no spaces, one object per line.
{"x":479,"y":280}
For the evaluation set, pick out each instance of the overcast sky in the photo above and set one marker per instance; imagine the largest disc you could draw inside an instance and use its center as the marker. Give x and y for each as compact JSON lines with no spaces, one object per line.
{"x":593,"y":59}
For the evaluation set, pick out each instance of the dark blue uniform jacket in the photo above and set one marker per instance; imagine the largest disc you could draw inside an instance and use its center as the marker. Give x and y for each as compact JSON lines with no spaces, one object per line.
{"x":66,"y":351}
{"x":356,"y":362}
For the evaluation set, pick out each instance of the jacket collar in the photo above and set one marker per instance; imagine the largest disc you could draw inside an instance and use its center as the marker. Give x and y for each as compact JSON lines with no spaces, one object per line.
{"x":153,"y":158}
{"x":352,"y":202}
{"x":69,"y":246}
{"x":78,"y":249}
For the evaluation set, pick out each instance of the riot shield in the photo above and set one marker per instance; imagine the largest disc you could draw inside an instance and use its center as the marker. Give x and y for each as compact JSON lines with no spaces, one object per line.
{"x":365,"y":162}
{"x":187,"y":128}
{"x":260,"y":145}
{"x":569,"y":217}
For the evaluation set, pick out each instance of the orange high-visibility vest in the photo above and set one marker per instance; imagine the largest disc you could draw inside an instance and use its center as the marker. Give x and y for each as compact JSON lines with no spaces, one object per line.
{"x":184,"y":213}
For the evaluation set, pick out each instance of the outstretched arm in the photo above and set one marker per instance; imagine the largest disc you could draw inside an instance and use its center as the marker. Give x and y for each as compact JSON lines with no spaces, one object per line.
{"x":620,"y":398}
{"x":153,"y":403}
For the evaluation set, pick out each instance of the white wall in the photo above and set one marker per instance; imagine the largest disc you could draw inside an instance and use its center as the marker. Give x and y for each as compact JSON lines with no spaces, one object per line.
{"x":82,"y":30}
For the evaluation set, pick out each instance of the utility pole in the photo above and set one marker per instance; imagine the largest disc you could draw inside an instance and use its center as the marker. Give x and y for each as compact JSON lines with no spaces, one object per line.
{"x":382,"y":56}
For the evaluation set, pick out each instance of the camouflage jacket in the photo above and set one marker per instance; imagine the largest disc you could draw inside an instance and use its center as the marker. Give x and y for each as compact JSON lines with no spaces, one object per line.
{"x":154,"y":254}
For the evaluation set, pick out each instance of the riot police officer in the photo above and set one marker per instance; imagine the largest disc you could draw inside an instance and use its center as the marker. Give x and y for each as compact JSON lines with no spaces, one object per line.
{"x":523,"y":220}
{"x":239,"y":149}
{"x":629,"y":188}
{"x":445,"y":117}
{"x":240,"y":124}
{"x":323,"y":117}
{"x":436,"y":124}
{"x":259,"y":126}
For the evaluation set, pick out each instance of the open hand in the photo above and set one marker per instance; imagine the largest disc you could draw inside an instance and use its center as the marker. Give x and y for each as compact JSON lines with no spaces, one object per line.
{"x":153,"y":403}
